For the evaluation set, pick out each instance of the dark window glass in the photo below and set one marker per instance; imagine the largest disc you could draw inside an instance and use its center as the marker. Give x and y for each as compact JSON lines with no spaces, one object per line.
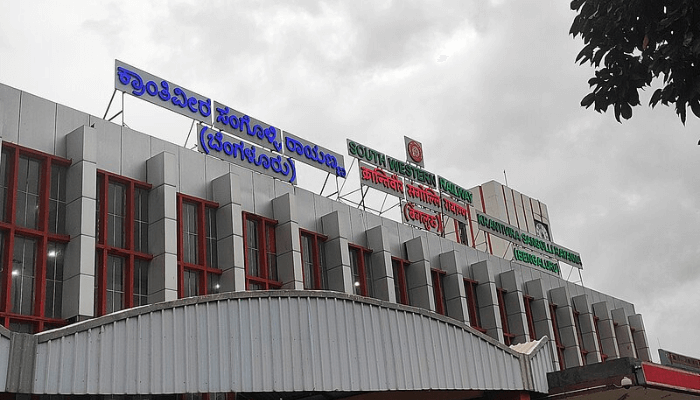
{"x":191,"y":283}
{"x":4,"y":180}
{"x":463,"y":238}
{"x":260,"y":253}
{"x":212,"y":261}
{"x":197,"y":247}
{"x":141,"y":220}
{"x":253,"y":248}
{"x":271,"y":252}
{"x":140,"y":283}
{"x":116,"y":214}
{"x":313,"y":261}
{"x":473,"y":304}
{"x":54,"y":280}
{"x":32,"y":238}
{"x":439,"y":291}
{"x":122,"y":245}
{"x":213,"y":285}
{"x":115,"y":283}
{"x":23,"y":275}
{"x":400,"y":286}
{"x":27,"y":206}
{"x":361,"y":266}
{"x":189,"y":233}
{"x":57,"y":200}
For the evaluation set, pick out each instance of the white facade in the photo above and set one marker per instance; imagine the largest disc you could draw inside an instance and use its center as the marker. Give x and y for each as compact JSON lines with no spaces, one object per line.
{"x":589,"y":325}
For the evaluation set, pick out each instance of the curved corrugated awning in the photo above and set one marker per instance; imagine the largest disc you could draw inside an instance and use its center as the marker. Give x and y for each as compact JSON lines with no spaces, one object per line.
{"x":281,"y":341}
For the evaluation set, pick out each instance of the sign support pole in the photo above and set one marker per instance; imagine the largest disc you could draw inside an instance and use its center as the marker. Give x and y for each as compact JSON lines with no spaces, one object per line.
{"x":121,"y":112}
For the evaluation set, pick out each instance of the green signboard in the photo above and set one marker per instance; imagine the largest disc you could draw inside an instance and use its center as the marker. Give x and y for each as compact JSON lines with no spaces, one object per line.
{"x":537,"y":261}
{"x":525,"y":239}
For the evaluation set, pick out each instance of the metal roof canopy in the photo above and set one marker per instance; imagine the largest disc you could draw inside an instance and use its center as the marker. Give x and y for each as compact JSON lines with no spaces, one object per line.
{"x":269,"y":341}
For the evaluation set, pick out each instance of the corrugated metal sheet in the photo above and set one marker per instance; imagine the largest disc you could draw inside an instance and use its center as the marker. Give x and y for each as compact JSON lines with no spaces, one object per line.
{"x":537,"y":361}
{"x":5,"y":344}
{"x":271,"y":341}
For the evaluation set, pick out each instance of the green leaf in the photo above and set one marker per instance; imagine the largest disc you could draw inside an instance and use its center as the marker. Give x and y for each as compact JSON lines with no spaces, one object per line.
{"x":626,"y":111}
{"x":695,"y":106}
{"x":588,"y":100}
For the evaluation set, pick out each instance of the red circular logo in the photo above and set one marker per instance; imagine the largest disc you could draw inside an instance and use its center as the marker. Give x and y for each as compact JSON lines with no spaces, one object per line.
{"x":415,"y":151}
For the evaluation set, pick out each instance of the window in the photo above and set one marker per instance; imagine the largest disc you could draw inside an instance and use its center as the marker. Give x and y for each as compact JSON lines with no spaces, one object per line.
{"x":361,"y":265}
{"x":473,"y":304}
{"x":557,"y":337}
{"x":527,"y":301}
{"x":32,"y":238}
{"x":313,"y":260}
{"x":260,"y":253}
{"x":603,"y":356}
{"x":121,"y":269}
{"x":400,"y":285}
{"x":462,"y":233}
{"x":439,"y":290}
{"x":508,"y":337}
{"x":198,"y":267}
{"x":577,"y":323}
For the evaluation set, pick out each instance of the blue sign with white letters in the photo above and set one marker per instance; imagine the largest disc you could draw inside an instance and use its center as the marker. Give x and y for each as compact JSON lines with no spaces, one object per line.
{"x":162,"y":93}
{"x":246,"y":155}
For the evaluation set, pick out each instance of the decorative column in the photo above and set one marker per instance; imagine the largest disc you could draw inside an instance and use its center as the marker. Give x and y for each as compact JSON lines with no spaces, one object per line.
{"x":81,"y":206}
{"x":567,"y":326}
{"x":639,"y":337}
{"x":515,"y":307}
{"x":382,"y":272}
{"x":288,"y":242}
{"x":587,"y":327}
{"x":456,"y":306}
{"x":540,"y":315}
{"x":336,"y":226}
{"x":229,"y":232}
{"x":623,"y":333}
{"x":418,"y":279}
{"x":606,"y":330}
{"x":161,"y":172}
{"x":488,"y":299}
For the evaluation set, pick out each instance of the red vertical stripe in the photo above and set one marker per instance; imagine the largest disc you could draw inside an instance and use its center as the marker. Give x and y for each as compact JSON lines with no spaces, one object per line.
{"x":483,"y":208}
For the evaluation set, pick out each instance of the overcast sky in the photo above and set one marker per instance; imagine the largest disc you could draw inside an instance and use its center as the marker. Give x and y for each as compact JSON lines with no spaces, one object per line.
{"x":486,"y":86}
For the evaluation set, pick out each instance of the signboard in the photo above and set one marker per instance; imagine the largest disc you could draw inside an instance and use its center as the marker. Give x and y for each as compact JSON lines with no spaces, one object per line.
{"x":376,"y":178}
{"x":160,"y":92}
{"x":525,"y":239}
{"x":314,"y":155}
{"x":455,"y":210}
{"x":679,"y":361}
{"x":537,"y":261}
{"x":238,"y":152}
{"x":419,"y":217}
{"x":414,"y":151}
{"x":423,"y":196}
{"x":455,"y":190}
{"x":241,"y":125}
{"x":400,"y":168}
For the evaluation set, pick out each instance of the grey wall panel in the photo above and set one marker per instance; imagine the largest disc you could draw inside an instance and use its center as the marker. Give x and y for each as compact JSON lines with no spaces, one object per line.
{"x":192,"y":173}
{"x":264,"y":192}
{"x":37,"y":123}
{"x":135,"y":150}
{"x":289,"y":341}
{"x":109,"y":144}
{"x":9,"y":113}
{"x":213,"y":168}
{"x":67,"y":120}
